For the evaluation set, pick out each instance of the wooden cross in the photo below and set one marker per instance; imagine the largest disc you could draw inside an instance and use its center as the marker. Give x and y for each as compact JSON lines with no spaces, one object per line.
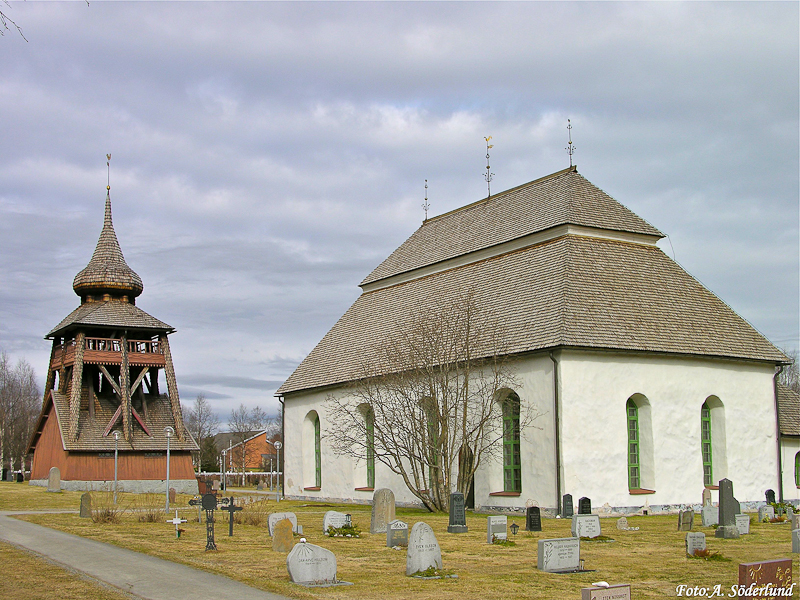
{"x":231,"y":508}
{"x":176,"y":521}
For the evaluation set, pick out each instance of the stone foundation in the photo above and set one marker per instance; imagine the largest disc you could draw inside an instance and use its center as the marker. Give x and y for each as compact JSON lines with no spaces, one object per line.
{"x":134,"y":486}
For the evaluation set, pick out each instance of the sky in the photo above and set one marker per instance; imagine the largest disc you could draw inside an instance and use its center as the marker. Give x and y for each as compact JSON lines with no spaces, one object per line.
{"x":267,"y":156}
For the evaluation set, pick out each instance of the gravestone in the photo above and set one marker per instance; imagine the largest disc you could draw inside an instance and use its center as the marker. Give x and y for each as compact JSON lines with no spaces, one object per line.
{"x":177,"y":521}
{"x":685,"y":520}
{"x":20,"y":477}
{"x":397,"y":534}
{"x":283,"y":540}
{"x":795,"y":521}
{"x":54,"y":480}
{"x":209,"y":504}
{"x":706,"y":497}
{"x":795,"y":541}
{"x":423,"y":550}
{"x":215,"y":485}
{"x":766,"y":513}
{"x":382,"y":510}
{"x":585,"y":526}
{"x":584,"y":506}
{"x":776,"y":572}
{"x":496,"y":528}
{"x":231,"y":508}
{"x":743,"y":524}
{"x":566,"y":506}
{"x":710,"y":515}
{"x":458,"y":514}
{"x":770,"y":495}
{"x":621,"y":591}
{"x":172,"y":495}
{"x":333,"y":519}
{"x":273,"y":519}
{"x":533,"y":518}
{"x":728,"y":509}
{"x":260,"y":487}
{"x":695,"y":540}
{"x":86,"y":506}
{"x":311,"y":565}
{"x":559,"y":555}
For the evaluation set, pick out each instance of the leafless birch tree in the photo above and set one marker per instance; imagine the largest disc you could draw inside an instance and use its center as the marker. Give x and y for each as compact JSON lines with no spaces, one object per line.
{"x":19,"y":407}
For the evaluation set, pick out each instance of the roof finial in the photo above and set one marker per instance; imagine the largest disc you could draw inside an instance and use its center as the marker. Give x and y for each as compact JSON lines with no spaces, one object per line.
{"x":570,"y":148}
{"x":426,"y":206}
{"x":489,"y":173}
{"x":108,"y":165}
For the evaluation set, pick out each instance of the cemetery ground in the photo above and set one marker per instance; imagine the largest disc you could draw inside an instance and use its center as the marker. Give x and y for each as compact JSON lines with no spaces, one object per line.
{"x":651,"y":559}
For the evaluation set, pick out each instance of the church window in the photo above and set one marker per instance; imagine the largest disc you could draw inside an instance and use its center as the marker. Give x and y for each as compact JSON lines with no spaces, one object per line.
{"x":317,"y":454}
{"x":369,"y":419}
{"x":705,"y":438}
{"x":512,"y":463}
{"x":634,"y":468}
{"x":797,"y":469}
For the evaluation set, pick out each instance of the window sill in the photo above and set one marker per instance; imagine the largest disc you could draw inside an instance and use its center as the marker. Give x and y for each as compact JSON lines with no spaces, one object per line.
{"x":311,"y":489}
{"x":512,"y":494}
{"x":641,"y":492}
{"x":365,"y":489}
{"x":712,"y":487}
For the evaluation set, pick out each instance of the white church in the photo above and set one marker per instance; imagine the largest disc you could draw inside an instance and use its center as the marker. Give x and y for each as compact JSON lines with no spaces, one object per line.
{"x":650,"y":388}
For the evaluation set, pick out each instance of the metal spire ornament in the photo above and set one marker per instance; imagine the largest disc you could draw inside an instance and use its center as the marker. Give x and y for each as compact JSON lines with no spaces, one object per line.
{"x":489,"y":173}
{"x":570,"y":147}
{"x":426,"y":206}
{"x":108,"y":166}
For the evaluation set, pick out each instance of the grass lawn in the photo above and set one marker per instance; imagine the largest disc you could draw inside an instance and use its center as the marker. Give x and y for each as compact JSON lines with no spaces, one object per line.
{"x":651,"y":559}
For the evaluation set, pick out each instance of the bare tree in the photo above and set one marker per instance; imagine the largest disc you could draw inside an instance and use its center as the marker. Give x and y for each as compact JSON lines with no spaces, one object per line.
{"x":427,"y":404}
{"x":19,"y":407}
{"x":245,"y":423}
{"x":790,"y":375}
{"x":203,"y":424}
{"x":5,"y":21}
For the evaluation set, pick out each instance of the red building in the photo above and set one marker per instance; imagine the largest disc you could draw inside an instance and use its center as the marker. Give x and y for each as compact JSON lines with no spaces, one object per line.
{"x":103,"y":391}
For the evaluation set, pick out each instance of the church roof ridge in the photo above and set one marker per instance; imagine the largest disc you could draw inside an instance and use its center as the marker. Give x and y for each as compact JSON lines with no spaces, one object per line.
{"x":107,"y":270}
{"x":563,"y":197}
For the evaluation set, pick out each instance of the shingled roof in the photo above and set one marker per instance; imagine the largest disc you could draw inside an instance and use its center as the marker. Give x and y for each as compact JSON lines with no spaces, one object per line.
{"x":112,"y":313}
{"x":571,"y":290}
{"x":788,"y":410}
{"x":107,"y":271}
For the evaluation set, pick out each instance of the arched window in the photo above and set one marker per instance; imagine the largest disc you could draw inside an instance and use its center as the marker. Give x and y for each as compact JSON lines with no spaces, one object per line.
{"x":705,"y":440}
{"x":634,"y":468}
{"x":369,"y":423}
{"x":512,"y":463}
{"x":797,"y":469}
{"x":317,"y":454}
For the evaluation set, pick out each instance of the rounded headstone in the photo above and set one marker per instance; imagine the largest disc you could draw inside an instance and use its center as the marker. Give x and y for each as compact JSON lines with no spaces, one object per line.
{"x":383,"y":510}
{"x":308,"y":563}
{"x":423,"y":550}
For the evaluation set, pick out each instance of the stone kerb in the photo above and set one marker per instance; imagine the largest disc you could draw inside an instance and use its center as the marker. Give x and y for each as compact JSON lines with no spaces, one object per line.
{"x":383,"y":510}
{"x":423,"y":550}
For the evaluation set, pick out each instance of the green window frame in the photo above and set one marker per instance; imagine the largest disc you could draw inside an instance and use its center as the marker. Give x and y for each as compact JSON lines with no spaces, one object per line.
{"x":797,"y":469}
{"x":634,"y":467}
{"x":317,"y":454}
{"x":705,"y":440}
{"x":512,"y":462}
{"x":370,"y":427}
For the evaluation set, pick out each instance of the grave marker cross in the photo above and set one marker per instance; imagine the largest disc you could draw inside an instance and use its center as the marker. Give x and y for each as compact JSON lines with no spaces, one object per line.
{"x":176,"y":521}
{"x":229,"y":506}
{"x":209,"y":503}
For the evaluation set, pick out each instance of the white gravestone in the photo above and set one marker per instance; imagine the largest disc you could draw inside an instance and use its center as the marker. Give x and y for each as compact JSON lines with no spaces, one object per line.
{"x":796,"y":521}
{"x":695,"y":540}
{"x":612,"y":592}
{"x":559,"y":555}
{"x":273,"y":519}
{"x":382,"y":510}
{"x":796,"y":541}
{"x":423,"y":550}
{"x":743,"y":524}
{"x":397,"y":534}
{"x":333,"y":519}
{"x":585,"y":526}
{"x":54,"y":480}
{"x":311,"y":565}
{"x":496,"y":528}
{"x":710,"y":515}
{"x":766,"y":512}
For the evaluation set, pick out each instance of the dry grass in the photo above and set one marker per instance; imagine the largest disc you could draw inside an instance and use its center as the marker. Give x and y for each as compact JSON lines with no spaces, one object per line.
{"x":651,"y":559}
{"x":28,"y":577}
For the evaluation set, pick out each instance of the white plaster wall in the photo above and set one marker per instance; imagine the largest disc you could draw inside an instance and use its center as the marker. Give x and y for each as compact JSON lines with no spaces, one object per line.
{"x":595,"y":387}
{"x":789,"y":449}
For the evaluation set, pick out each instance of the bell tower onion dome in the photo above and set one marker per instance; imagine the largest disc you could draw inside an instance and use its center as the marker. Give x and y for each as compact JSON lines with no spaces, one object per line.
{"x":107,"y":271}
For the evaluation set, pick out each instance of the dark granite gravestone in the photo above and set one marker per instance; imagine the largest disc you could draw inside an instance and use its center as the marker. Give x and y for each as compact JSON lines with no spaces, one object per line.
{"x":533,"y":519}
{"x":584,"y":506}
{"x":566,"y":507}
{"x":728,"y":509}
{"x":458,"y":514}
{"x":760,"y":574}
{"x":20,"y":478}
{"x":86,"y":506}
{"x":397,"y":534}
{"x":770,"y":495}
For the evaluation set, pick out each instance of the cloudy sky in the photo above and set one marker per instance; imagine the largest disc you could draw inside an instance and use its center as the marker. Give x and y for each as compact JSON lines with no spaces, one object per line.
{"x":267,"y":156}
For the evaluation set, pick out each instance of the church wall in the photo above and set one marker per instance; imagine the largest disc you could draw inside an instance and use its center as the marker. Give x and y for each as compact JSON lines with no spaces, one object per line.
{"x":49,"y":449}
{"x":595,"y":388}
{"x":789,"y":449}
